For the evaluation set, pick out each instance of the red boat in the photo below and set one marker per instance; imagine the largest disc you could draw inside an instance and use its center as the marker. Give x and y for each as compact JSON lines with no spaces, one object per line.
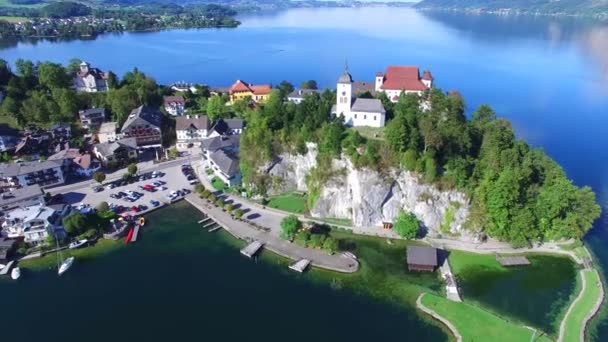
{"x":129,"y":236}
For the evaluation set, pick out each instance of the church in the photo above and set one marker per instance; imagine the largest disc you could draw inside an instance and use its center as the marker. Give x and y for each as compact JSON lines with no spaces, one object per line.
{"x":357,"y":111}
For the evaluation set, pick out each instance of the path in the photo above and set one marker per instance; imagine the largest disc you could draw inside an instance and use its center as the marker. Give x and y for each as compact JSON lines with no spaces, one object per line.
{"x":435,"y":315}
{"x":584,"y":290}
{"x":272,"y":242}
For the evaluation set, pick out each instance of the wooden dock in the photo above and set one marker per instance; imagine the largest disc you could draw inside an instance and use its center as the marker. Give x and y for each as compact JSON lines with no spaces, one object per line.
{"x":300,"y":265}
{"x":251,"y":249}
{"x":135,"y":233}
{"x":204,"y":220}
{"x":7,"y":268}
{"x":212,"y":229}
{"x":512,"y":260}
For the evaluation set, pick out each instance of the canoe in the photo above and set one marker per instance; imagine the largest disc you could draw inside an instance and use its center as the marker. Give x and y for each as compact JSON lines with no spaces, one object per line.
{"x":129,"y":236}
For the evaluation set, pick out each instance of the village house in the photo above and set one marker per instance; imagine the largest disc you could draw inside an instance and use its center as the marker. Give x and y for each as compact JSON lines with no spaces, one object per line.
{"x":183,"y":87}
{"x":107,"y":132}
{"x":93,"y":118}
{"x":61,"y":131}
{"x":116,"y":153}
{"x":9,"y":138}
{"x":226,"y":127}
{"x":174,"y":105}
{"x":191,"y":130}
{"x":21,"y":197}
{"x":144,"y":124}
{"x":43,"y":173}
{"x":220,"y":154}
{"x":240,"y":90}
{"x":357,"y":111}
{"x":80,"y":164}
{"x":90,"y":80}
{"x":298,"y":95}
{"x":35,"y":223}
{"x":403,"y":79}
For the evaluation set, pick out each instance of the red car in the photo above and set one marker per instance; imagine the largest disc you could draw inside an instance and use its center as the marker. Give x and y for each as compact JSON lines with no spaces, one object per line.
{"x":148,"y":187}
{"x":135,"y":209}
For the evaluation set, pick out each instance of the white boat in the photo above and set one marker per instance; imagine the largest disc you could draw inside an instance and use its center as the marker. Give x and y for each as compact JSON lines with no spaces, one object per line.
{"x":79,"y":243}
{"x":2,"y":266}
{"x":65,"y":265}
{"x":16,"y":273}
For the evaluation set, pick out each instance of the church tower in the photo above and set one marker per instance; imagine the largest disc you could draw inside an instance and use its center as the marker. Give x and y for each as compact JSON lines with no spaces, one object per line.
{"x":344,"y":96}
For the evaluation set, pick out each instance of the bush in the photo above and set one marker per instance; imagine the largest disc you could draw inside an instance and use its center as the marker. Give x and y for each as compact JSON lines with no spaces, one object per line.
{"x":199,"y":188}
{"x":132,"y":169}
{"x":219,"y":203}
{"x":229,"y":207}
{"x":407,"y":225}
{"x":289,"y":226}
{"x":238,"y":213}
{"x":212,"y":198}
{"x":302,"y":238}
{"x":317,"y":240}
{"x":205,"y":194}
{"x":330,"y":245}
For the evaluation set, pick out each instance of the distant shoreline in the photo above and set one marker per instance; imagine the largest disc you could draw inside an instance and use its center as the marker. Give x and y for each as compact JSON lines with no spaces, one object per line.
{"x":602,"y":16}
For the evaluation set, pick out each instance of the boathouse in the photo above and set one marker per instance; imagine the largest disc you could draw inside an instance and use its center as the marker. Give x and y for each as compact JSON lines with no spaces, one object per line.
{"x":421,"y":258}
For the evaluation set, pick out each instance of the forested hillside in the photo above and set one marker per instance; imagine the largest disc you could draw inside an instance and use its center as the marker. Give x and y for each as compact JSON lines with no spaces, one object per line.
{"x":574,"y":7}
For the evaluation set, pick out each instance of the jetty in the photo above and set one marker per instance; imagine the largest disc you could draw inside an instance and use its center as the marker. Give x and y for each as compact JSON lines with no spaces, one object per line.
{"x":251,"y":249}
{"x":300,"y":266}
{"x":204,"y":221}
{"x":135,"y":232}
{"x":212,"y":229}
{"x":7,"y":268}
{"x":512,"y":260}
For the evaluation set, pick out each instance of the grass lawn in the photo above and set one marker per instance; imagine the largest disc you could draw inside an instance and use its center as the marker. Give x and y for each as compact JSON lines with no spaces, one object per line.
{"x":293,"y":203}
{"x":591,"y":294}
{"x":13,"y":19}
{"x":49,"y":261}
{"x":370,"y":132}
{"x":7,"y":3}
{"x":218,"y":184}
{"x":476,"y":324}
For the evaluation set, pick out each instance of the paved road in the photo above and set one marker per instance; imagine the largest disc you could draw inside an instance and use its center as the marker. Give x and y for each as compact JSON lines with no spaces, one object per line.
{"x":271,"y":241}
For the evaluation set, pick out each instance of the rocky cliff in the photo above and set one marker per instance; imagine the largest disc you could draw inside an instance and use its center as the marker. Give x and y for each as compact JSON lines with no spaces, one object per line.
{"x":369,"y":198}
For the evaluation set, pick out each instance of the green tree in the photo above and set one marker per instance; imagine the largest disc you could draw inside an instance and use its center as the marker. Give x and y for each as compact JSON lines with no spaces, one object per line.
{"x":173,"y":153}
{"x":67,"y":102}
{"x":75,"y":223}
{"x":310,"y":84}
{"x":289,"y":226}
{"x":286,"y":88}
{"x":238,"y":213}
{"x":132,"y":169}
{"x":330,"y":245}
{"x":229,"y":207}
{"x":99,"y":177}
{"x":406,"y":225}
{"x":103,"y":207}
{"x":216,"y":108}
{"x":53,"y":75}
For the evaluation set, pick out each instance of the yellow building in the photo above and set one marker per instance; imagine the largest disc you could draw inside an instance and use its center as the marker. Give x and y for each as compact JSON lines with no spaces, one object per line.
{"x":258,"y":93}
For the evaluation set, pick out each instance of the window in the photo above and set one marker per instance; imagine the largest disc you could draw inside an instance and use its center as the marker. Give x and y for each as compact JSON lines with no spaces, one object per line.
{"x":355,"y":116}
{"x":364,"y":117}
{"x":374,"y":118}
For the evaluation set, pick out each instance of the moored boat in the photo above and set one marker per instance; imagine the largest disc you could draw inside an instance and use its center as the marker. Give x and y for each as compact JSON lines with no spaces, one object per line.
{"x":65,"y":265}
{"x":79,"y":243}
{"x":16,"y":273}
{"x":142,"y":221}
{"x":129,"y":236}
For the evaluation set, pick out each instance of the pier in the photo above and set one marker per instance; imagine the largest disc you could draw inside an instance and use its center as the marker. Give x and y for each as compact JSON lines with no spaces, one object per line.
{"x":212,"y":229}
{"x":7,"y":268}
{"x":251,"y":249}
{"x":135,"y":233}
{"x":300,"y":266}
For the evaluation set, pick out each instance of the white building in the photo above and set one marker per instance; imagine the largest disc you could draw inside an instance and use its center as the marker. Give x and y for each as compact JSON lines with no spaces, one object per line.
{"x":220,"y":154}
{"x":107,"y":132}
{"x":174,"y":105}
{"x":191,"y":130}
{"x":357,"y":111}
{"x":298,"y":95}
{"x":35,"y":223}
{"x":403,"y":79}
{"x":90,"y":80}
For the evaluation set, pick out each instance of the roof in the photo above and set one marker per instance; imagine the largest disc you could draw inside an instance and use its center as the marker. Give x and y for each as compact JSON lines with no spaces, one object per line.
{"x":20,"y":194}
{"x":345,"y":77}
{"x":16,"y":169}
{"x":94,"y":112}
{"x":417,"y":255}
{"x":221,"y":142}
{"x":143,"y":115}
{"x":222,"y":126}
{"x":402,"y":78}
{"x":173,"y":99}
{"x":228,"y":164}
{"x":427,"y":76}
{"x":98,"y":74}
{"x":26,"y":214}
{"x":83,"y":160}
{"x":197,"y":122}
{"x":361,"y":87}
{"x":301,"y":93}
{"x":69,"y":153}
{"x":260,"y":89}
{"x":6,"y":243}
{"x":368,"y":106}
{"x":108,"y":127}
{"x":108,"y":148}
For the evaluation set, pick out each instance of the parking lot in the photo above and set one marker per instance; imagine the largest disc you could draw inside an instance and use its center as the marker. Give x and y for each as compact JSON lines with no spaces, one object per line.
{"x":141,"y":192}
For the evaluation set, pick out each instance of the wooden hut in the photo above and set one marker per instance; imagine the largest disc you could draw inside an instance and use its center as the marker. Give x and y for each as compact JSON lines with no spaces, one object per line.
{"x":421,"y":258}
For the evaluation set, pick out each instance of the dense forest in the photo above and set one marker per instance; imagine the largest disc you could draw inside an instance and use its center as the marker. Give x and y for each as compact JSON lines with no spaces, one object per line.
{"x":518,"y":193}
{"x":575,"y":7}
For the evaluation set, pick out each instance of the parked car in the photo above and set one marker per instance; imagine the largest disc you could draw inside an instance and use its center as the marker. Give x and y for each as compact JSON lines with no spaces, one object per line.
{"x":154,"y":203}
{"x":142,"y":207}
{"x":115,"y":196}
{"x":135,"y":209}
{"x":98,"y":189}
{"x":111,"y":185}
{"x":122,"y":194}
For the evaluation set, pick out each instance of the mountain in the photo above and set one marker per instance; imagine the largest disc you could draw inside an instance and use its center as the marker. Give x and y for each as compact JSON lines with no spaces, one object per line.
{"x":596,"y":8}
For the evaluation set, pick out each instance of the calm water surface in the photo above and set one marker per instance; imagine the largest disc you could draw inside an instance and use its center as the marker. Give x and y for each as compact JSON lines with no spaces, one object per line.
{"x":548,"y":76}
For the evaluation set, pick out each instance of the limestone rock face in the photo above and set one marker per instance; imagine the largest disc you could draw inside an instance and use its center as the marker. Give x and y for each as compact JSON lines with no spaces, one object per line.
{"x":369,"y":198}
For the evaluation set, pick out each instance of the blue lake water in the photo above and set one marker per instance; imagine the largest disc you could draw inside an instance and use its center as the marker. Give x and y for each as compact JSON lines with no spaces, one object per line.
{"x":549,"y":76}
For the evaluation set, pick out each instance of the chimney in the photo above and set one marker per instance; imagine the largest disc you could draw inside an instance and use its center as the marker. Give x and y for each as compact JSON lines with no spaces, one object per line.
{"x":197,"y":116}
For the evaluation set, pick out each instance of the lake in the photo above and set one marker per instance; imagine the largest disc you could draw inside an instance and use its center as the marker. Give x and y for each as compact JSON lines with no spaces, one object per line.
{"x":549,"y":76}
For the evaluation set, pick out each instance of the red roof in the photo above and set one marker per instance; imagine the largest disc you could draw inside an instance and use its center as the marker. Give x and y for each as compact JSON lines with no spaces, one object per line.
{"x":255,"y":89}
{"x":427,"y":76}
{"x":402,"y":78}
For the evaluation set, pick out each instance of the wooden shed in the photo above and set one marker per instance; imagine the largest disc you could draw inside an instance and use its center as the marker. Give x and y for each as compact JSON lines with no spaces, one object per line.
{"x":421,"y":258}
